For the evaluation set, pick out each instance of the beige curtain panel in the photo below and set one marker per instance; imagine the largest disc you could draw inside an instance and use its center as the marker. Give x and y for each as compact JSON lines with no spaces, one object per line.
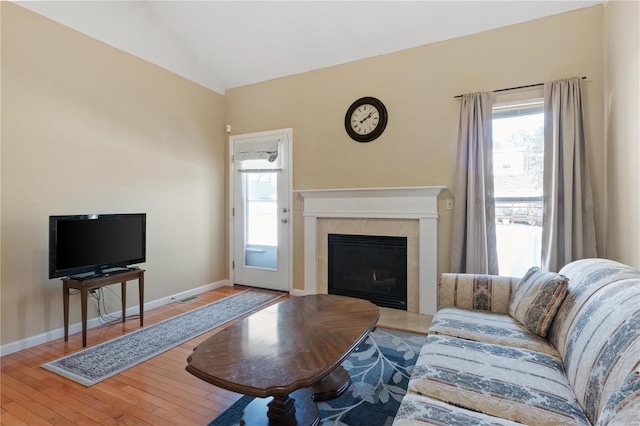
{"x":568,"y":230}
{"x":473,"y":246}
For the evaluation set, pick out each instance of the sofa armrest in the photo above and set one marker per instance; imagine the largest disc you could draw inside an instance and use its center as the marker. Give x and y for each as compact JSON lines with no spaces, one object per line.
{"x":472,"y":291}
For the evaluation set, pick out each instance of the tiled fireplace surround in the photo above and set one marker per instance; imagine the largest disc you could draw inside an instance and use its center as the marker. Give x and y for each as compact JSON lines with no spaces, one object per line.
{"x":410,"y":212}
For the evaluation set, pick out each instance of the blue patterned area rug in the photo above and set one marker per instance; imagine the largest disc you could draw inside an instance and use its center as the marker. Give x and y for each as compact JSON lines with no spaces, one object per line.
{"x":379,"y":368}
{"x":107,"y":359}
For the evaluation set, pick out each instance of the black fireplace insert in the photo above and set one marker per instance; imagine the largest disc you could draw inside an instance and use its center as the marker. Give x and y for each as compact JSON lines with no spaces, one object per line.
{"x":369,"y":267}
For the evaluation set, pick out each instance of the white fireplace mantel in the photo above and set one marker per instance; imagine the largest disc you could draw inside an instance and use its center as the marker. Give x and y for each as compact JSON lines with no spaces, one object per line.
{"x":419,"y":203}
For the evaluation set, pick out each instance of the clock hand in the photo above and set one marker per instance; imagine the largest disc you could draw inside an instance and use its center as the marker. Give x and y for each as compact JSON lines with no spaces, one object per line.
{"x":366,"y":118}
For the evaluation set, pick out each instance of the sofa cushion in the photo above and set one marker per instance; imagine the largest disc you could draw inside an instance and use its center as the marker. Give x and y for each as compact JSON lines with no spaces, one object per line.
{"x":623,"y":406}
{"x":475,"y":291}
{"x":417,"y":410}
{"x":536,"y":299}
{"x":488,"y":327}
{"x":512,"y":383}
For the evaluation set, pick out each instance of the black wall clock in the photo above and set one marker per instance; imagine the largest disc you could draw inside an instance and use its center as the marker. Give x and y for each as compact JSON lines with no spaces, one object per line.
{"x":365,"y":119}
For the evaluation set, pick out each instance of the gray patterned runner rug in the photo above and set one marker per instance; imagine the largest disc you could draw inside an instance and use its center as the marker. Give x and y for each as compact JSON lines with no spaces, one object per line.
{"x":107,"y":359}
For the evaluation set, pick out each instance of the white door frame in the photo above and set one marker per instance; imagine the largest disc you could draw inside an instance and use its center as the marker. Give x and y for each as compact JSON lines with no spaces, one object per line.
{"x":231,"y":197}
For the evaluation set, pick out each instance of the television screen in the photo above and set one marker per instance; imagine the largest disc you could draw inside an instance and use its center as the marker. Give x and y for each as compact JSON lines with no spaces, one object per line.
{"x":92,"y":243}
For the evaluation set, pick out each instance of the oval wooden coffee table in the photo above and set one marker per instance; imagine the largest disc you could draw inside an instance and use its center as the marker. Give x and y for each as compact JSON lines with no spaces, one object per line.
{"x":290,"y":351}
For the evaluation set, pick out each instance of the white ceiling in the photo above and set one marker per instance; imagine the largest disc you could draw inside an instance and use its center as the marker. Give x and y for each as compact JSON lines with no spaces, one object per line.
{"x":225,"y":44}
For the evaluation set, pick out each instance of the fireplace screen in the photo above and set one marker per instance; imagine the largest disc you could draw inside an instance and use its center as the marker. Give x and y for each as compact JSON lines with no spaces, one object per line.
{"x":369,"y":267}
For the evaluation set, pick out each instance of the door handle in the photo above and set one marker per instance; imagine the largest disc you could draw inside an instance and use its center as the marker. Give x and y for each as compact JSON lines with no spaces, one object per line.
{"x":285,"y":220}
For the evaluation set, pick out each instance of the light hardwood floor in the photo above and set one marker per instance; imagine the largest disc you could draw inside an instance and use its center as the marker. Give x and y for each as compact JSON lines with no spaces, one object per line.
{"x":156,"y":392}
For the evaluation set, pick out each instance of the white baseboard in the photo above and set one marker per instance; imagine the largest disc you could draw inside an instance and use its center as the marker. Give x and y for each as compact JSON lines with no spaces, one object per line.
{"x":297,"y":293}
{"x":29,"y":342}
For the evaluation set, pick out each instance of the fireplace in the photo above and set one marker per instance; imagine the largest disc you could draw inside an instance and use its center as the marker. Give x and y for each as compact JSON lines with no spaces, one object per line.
{"x":369,"y":267}
{"x":410,"y":212}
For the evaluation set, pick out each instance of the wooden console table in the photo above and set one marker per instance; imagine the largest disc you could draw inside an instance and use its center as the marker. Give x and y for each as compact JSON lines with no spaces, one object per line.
{"x":84,"y":285}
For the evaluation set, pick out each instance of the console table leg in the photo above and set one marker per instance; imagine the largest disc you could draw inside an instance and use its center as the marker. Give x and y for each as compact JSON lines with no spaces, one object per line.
{"x":123,"y":291}
{"x":84,"y":294}
{"x":141,"y":295}
{"x":65,"y":298}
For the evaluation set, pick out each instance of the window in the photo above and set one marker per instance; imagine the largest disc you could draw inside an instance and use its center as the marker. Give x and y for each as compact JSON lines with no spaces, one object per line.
{"x":518,"y":161}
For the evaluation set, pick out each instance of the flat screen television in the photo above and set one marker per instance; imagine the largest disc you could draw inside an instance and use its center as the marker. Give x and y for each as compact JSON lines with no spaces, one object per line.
{"x":91,"y":244}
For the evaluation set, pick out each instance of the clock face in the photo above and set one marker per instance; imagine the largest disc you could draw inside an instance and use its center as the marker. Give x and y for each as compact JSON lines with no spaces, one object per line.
{"x":365,"y":119}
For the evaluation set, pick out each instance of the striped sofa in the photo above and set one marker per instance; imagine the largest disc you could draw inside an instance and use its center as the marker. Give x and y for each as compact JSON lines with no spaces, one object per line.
{"x":481,"y":366}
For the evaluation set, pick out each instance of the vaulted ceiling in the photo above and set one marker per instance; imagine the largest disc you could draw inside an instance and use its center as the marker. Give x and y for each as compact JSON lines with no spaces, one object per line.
{"x":225,"y":44}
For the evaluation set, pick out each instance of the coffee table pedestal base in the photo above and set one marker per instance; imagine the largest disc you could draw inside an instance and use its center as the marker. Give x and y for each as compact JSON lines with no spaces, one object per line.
{"x":269,"y":411}
{"x":299,"y":407}
{"x":331,"y":386}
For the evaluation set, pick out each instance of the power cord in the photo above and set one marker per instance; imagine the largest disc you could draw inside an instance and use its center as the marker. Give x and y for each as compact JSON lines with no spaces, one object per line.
{"x":103,"y":314}
{"x":104,"y":317}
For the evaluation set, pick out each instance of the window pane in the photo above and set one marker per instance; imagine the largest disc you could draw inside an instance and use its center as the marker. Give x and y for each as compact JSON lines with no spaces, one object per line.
{"x":518,"y":155}
{"x":518,"y":161}
{"x":518,"y":236}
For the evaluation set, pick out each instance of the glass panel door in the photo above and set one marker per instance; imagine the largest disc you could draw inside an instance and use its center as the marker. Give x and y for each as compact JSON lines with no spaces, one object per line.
{"x":260,"y":185}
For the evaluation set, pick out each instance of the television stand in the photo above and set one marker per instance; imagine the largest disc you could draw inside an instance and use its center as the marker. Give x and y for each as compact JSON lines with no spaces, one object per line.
{"x":84,"y":284}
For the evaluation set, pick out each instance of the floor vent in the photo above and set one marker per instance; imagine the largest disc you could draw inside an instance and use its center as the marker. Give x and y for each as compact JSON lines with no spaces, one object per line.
{"x":186,"y":299}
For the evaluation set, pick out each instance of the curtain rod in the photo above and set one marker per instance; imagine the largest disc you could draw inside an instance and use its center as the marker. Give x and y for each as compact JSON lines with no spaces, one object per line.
{"x":514,"y":88}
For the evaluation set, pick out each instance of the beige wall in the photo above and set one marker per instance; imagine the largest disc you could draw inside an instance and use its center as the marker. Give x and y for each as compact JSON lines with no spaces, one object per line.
{"x":417,"y":87}
{"x":87,"y":128}
{"x":622,"y":98}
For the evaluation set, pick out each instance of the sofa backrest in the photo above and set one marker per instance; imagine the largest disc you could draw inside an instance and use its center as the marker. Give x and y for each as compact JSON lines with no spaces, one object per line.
{"x":597,"y":329}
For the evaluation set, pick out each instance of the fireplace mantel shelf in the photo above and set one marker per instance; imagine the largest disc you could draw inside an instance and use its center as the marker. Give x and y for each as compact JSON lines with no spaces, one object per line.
{"x":418,"y":203}
{"x":364,"y":192}
{"x":401,"y":203}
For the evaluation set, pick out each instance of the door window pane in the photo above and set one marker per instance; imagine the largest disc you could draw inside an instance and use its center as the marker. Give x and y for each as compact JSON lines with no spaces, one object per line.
{"x":261,"y":219}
